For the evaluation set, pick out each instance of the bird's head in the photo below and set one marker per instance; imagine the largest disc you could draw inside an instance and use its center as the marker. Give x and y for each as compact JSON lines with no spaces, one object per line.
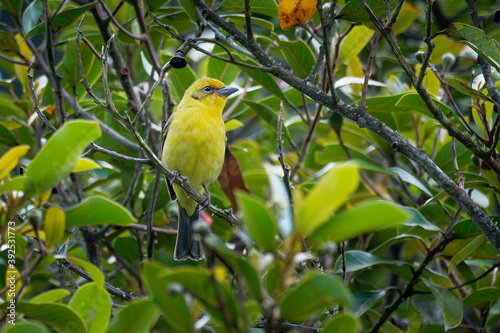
{"x":211,"y":93}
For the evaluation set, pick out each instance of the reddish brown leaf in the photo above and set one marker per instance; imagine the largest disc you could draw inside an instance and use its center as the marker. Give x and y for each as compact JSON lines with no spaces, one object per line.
{"x":231,"y":178}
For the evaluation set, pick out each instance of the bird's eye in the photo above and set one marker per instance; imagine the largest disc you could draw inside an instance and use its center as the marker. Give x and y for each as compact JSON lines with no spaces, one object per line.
{"x":208,"y":89}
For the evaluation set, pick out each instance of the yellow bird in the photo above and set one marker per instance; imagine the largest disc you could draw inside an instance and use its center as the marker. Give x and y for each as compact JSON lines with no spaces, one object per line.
{"x":194,"y":148}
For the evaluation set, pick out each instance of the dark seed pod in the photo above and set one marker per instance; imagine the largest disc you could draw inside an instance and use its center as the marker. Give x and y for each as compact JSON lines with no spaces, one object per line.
{"x":178,"y":60}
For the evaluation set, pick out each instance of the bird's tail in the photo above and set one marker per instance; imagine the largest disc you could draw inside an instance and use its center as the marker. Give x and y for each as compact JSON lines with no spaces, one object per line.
{"x":186,"y":247}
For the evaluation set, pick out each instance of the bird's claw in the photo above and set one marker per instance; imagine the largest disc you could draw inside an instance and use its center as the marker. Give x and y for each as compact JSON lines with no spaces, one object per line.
{"x":176,"y":176}
{"x":205,"y":202}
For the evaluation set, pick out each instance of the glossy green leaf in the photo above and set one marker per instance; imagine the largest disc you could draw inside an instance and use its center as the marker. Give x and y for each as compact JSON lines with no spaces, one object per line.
{"x":467,"y":228}
{"x":154,"y":5}
{"x":355,"y":12}
{"x":444,"y":157}
{"x":414,"y":318}
{"x":190,"y":10}
{"x":449,"y":303}
{"x":50,"y":296}
{"x":312,"y":295}
{"x":98,"y":210}
{"x":298,"y":56}
{"x":418,"y":220}
{"x":336,"y":153}
{"x":268,"y":115}
{"x":326,"y":197}
{"x":180,"y":80}
{"x":139,"y":316}
{"x":173,"y":306}
{"x":478,"y":41}
{"x":60,"y":154}
{"x":20,"y":183}
{"x":257,"y":219}
{"x":70,"y":68}
{"x":466,"y":90}
{"x":55,"y":223}
{"x":364,"y":300}
{"x":466,"y":252}
{"x":357,"y":260}
{"x":31,"y":15}
{"x":29,"y":326}
{"x":354,"y":42}
{"x":266,"y":7}
{"x":344,"y":322}
{"x":221,"y":70}
{"x":8,"y":43}
{"x":482,"y":295}
{"x":13,"y":7}
{"x":410,"y":179}
{"x":200,"y":283}
{"x":93,"y":303}
{"x":363,"y":218}
{"x":65,"y":17}
{"x":127,"y":247}
{"x":56,"y":315}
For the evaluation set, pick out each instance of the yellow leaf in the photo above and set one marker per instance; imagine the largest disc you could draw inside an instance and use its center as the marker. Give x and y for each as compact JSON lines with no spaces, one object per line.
{"x":85,"y":164}
{"x":44,"y":197}
{"x":295,"y":12}
{"x":13,"y":286}
{"x":431,"y":82}
{"x":232,"y":124}
{"x":10,"y":159}
{"x":55,"y":223}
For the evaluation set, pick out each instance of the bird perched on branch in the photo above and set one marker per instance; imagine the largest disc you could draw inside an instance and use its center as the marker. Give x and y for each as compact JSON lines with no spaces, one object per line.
{"x":194,"y":148}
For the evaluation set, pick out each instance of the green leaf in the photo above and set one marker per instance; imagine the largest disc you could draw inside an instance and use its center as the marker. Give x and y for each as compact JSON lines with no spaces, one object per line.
{"x":154,"y":5}
{"x":266,"y":7}
{"x":65,"y":17}
{"x":477,"y":40}
{"x":20,"y":183}
{"x":70,"y":68}
{"x":466,"y":252}
{"x":482,"y":295}
{"x":344,"y":322}
{"x":298,"y":56}
{"x":200,"y":283}
{"x":240,"y":19}
{"x":418,"y":220}
{"x":364,"y":300}
{"x":50,"y":296}
{"x":409,"y":13}
{"x":60,"y":154}
{"x":410,"y":179}
{"x":93,"y":303}
{"x":312,"y":295}
{"x":336,"y":153}
{"x":258,"y":220}
{"x":357,"y":260}
{"x":414,"y":318}
{"x":281,"y":203}
{"x":355,"y":12}
{"x":444,"y":157}
{"x":31,"y":15}
{"x":466,"y":90}
{"x":13,"y":7}
{"x":363,"y":218}
{"x":98,"y":210}
{"x":268,"y":115}
{"x":173,"y":306}
{"x":354,"y":42}
{"x":221,"y":70}
{"x":190,"y":10}
{"x":8,"y":43}
{"x":29,"y":326}
{"x":319,"y":205}
{"x":55,"y":223}
{"x":449,"y":303}
{"x":139,"y":316}
{"x":180,"y":80}
{"x":56,"y":315}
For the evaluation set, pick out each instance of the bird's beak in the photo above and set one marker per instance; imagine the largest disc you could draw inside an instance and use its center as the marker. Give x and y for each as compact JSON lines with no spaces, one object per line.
{"x":226,"y":91}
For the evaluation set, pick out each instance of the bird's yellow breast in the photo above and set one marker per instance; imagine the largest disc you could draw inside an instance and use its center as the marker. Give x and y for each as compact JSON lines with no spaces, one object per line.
{"x":195,"y":147}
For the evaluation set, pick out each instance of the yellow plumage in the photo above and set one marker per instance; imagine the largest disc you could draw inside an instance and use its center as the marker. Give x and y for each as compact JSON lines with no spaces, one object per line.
{"x":194,"y":147}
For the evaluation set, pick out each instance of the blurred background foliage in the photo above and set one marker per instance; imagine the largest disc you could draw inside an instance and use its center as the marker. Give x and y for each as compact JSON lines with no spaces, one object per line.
{"x":367,"y":241}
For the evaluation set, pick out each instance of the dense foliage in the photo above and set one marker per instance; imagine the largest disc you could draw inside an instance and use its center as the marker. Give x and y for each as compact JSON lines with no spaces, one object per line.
{"x":362,"y":168}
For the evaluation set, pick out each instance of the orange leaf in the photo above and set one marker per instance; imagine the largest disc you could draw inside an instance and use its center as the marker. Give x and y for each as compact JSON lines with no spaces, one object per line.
{"x":295,"y":12}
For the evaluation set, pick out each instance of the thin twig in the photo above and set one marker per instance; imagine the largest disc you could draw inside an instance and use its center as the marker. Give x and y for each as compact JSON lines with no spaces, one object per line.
{"x":281,"y":157}
{"x":35,"y":102}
